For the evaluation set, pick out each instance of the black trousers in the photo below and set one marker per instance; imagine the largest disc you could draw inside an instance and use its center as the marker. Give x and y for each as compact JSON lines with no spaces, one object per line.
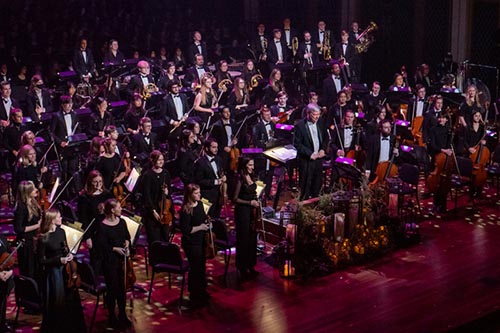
{"x":197,"y":281}
{"x":311,"y":177}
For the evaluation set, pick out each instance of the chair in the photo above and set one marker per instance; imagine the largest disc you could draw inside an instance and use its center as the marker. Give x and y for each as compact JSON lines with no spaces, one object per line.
{"x":462,"y":178}
{"x":142,"y":242}
{"x":224,"y":240}
{"x":27,"y":295}
{"x":409,"y":175}
{"x":166,"y":257}
{"x":494,"y":168}
{"x":91,"y":284}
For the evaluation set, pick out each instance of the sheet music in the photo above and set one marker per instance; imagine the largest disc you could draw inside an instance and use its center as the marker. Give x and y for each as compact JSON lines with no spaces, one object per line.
{"x":282,"y":154}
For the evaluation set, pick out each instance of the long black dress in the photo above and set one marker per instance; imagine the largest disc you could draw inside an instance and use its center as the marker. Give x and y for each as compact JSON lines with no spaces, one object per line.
{"x":244,"y":218}
{"x":114,"y":236}
{"x":26,"y":254}
{"x":109,"y":167}
{"x":194,"y":245}
{"x":62,"y":306}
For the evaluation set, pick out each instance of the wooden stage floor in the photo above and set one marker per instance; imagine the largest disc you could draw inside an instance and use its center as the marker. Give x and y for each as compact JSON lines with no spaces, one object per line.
{"x":450,"y":281}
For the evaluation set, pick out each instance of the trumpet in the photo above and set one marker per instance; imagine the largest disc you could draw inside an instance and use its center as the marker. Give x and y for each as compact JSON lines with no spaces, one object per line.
{"x":148,"y":90}
{"x":263,"y":45}
{"x":326,"y":48}
{"x":295,"y":45}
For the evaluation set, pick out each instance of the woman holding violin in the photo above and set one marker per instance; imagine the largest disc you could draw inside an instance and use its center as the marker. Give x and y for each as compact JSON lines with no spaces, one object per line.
{"x":91,"y":210}
{"x":158,"y":208}
{"x":62,"y":305}
{"x":475,"y":145}
{"x":193,"y":222}
{"x":245,"y":215}
{"x":27,"y":219}
{"x":114,"y":240}
{"x":110,"y":165}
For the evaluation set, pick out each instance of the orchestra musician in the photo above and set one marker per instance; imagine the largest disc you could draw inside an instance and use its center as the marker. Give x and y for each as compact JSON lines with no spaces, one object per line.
{"x":196,"y":72}
{"x":259,"y":44}
{"x":90,"y":209}
{"x":114,"y":55}
{"x":196,"y":47}
{"x":62,"y":305}
{"x":332,"y":85}
{"x":79,"y":101}
{"x":210,"y":175}
{"x":193,"y":223}
{"x":169,"y":75}
{"x":6,"y":286}
{"x":274,"y":86}
{"x":174,"y":109}
{"x":470,"y":106}
{"x":27,"y":219}
{"x":186,"y":156}
{"x":7,"y":103}
{"x":418,"y":105}
{"x":373,"y":125}
{"x":110,"y":131}
{"x":319,"y":35}
{"x":345,"y":51}
{"x":179,"y":60}
{"x":246,"y":204}
{"x":474,"y":137}
{"x":354,"y":33}
{"x":134,"y":114}
{"x":239,"y":97}
{"x":155,"y":190}
{"x":139,"y":82}
{"x":399,"y":83}
{"x":431,"y":118}
{"x":83,"y":62}
{"x":310,"y":141}
{"x":27,"y":167}
{"x":380,"y":148}
{"x":307,"y":53}
{"x":282,"y":111}
{"x":110,"y":165}
{"x":289,"y":33}
{"x":277,"y":50}
{"x":194,"y":126}
{"x":348,"y":136}
{"x":12,"y":135}
{"x":114,"y":239}
{"x":423,"y":76}
{"x":374,"y":99}
{"x":224,"y":132}
{"x":38,"y":99}
{"x":222,"y":72}
{"x":262,"y":134}
{"x":144,"y":142}
{"x":100,"y":118}
{"x":206,"y":99}
{"x":337,"y":111}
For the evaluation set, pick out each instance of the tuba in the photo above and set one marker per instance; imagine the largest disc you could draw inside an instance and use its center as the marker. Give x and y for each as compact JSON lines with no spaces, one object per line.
{"x":148,"y":90}
{"x":365,"y":39}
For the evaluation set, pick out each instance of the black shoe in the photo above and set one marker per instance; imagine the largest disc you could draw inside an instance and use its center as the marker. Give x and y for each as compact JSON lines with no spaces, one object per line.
{"x":113,"y":322}
{"x":125,"y":321}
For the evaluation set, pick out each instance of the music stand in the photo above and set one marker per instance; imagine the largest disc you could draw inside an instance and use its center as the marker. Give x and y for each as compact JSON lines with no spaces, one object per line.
{"x":282,"y":155}
{"x":73,"y":238}
{"x":348,"y":172}
{"x":132,"y":180}
{"x":134,"y":226}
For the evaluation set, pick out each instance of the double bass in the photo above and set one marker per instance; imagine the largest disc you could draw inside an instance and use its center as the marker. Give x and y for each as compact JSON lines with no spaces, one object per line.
{"x":444,"y":164}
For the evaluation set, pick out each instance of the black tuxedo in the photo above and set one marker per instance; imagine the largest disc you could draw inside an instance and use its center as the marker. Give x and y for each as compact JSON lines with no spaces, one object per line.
{"x":335,"y":145}
{"x":352,"y":37}
{"x":98,"y":124}
{"x":81,"y":66}
{"x":272,"y":52}
{"x":349,"y":53}
{"x":168,"y":110}
{"x":257,"y":45}
{"x":315,"y":37}
{"x":12,"y":139}
{"x":219,"y":132}
{"x":58,"y":126}
{"x":293,"y":33}
{"x":192,"y":74}
{"x":193,"y":50}
{"x":370,"y":103}
{"x":140,"y":149}
{"x":33,"y":101}
{"x":373,"y":152}
{"x":302,"y":50}
{"x":3,"y":112}
{"x":136,"y":85}
{"x":430,"y":121}
{"x":330,"y":91}
{"x":205,"y":177}
{"x":260,"y":134}
{"x":413,"y":106}
{"x":310,"y":171}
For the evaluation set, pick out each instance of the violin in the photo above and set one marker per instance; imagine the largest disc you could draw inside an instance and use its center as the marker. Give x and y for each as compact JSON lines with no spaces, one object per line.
{"x":234,"y":154}
{"x":73,"y":279}
{"x":128,"y":267}
{"x":7,"y":260}
{"x":285,"y":115}
{"x":209,"y":241}
{"x":166,"y":210}
{"x":119,"y":192}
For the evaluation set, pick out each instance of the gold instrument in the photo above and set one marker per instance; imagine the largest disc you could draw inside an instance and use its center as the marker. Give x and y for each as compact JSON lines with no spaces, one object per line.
{"x":223,"y":84}
{"x":148,"y":90}
{"x":365,"y":39}
{"x":254,"y":81}
{"x":326,"y":48}
{"x":295,"y":45}
{"x":263,"y":45}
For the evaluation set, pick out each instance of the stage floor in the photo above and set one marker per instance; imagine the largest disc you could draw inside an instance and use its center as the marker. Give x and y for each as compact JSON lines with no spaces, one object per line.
{"x":448,"y":281}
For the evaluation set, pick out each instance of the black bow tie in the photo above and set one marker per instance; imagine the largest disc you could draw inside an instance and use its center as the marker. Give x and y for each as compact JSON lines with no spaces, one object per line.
{"x":199,"y":67}
{"x":421,"y":100}
{"x":211,"y":160}
{"x":337,"y":77}
{"x":437,"y":111}
{"x":227,"y":125}
{"x":344,"y":43}
{"x":348,"y":127}
{"x":277,"y":41}
{"x":321,"y":32}
{"x":176,"y":96}
{"x":5,"y":100}
{"x":385,"y":139}
{"x":287,"y":29}
{"x":267,"y":124}
{"x":146,"y":136}
{"x":308,"y":43}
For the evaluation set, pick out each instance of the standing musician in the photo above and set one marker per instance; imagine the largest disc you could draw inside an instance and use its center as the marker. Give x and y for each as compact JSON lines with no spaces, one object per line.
{"x":210,"y":175}
{"x":6,"y":286}
{"x":12,"y":135}
{"x":134,"y":114}
{"x":272,"y":89}
{"x":262,"y":134}
{"x":474,"y":138}
{"x":289,"y":33}
{"x":332,"y":85}
{"x":114,"y":240}
{"x":470,"y":106}
{"x":144,"y":142}
{"x":140,"y":81}
{"x":431,"y":118}
{"x":174,"y":109}
{"x":110,"y":165}
{"x":337,"y":110}
{"x":91,"y":210}
{"x":100,"y":118}
{"x":224,"y":132}
{"x":7,"y":103}
{"x":155,"y":193}
{"x":196,"y":72}
{"x":345,"y":52}
{"x":440,"y":142}
{"x":239,"y":97}
{"x":260,"y":43}
{"x":27,"y":167}
{"x":194,"y":126}
{"x":245,"y":210}
{"x":195,"y":48}
{"x":83,"y":62}
{"x":62,"y":305}
{"x":206,"y":99}
{"x":186,"y":156}
{"x":307,"y":53}
{"x":373,"y":125}
{"x":193,"y":222}
{"x":27,"y":219}
{"x":380,"y":148}
{"x":310,"y":141}
{"x":320,"y":35}
{"x":277,"y":50}
{"x":38,"y":99}
{"x":64,"y":125}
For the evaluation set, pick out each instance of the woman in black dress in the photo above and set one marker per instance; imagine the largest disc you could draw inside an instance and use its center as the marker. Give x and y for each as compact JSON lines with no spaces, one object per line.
{"x":91,"y":210}
{"x":27,"y":219}
{"x":155,"y":190}
{"x":187,"y":156}
{"x":27,"y":167}
{"x":193,"y":226}
{"x":274,"y":86}
{"x":206,"y":99}
{"x":470,"y":106}
{"x":246,"y":205}
{"x":134,"y":114}
{"x":110,"y":165}
{"x":62,"y":306}
{"x":100,"y":118}
{"x":114,"y":240}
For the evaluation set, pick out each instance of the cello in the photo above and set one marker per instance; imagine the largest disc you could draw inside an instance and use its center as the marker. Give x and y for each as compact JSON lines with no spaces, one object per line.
{"x":480,"y":158}
{"x":359,"y":156}
{"x":444,"y":164}
{"x":234,"y":153}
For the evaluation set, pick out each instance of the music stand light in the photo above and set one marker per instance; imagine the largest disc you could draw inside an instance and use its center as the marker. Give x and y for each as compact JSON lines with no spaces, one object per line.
{"x":73,"y":238}
{"x":134,"y":226}
{"x":132,"y":180}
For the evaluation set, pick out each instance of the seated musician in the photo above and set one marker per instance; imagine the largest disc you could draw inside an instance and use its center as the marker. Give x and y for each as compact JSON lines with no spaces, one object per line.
{"x":418,"y":105}
{"x":111,"y":132}
{"x":282,"y":111}
{"x":372,"y":100}
{"x":399,"y":83}
{"x":274,"y":86}
{"x":474,"y":137}
{"x":373,"y":125}
{"x":186,"y":156}
{"x":140,"y":81}
{"x":440,"y":137}
{"x":100,"y":118}
{"x":470,"y":106}
{"x":348,"y":136}
{"x":168,"y":76}
{"x":195,"y":73}
{"x":380,"y":148}
{"x":134,"y":114}
{"x":144,"y":142}
{"x":110,"y":165}
{"x":206,"y":99}
{"x":431,"y":118}
{"x":336,"y":113}
{"x":239,"y":97}
{"x":313,"y":98}
{"x":114,"y":55}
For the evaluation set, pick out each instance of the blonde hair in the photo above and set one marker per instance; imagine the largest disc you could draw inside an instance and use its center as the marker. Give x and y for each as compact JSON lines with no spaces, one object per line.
{"x":23,"y":155}
{"x":469,"y":100}
{"x":203,"y":90}
{"x":188,"y":203}
{"x":23,"y":195}
{"x":50,"y":216}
